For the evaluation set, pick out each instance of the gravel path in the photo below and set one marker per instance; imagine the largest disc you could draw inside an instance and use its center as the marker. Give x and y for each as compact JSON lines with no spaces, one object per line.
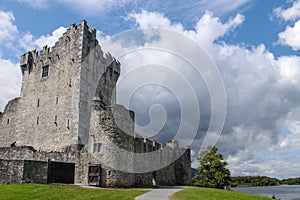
{"x":161,"y":193}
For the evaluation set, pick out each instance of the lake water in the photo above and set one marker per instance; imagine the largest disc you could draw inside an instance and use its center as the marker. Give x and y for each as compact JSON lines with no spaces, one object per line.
{"x":284,"y":192}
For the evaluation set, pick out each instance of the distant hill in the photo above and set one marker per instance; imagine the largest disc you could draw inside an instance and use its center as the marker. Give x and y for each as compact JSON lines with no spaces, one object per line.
{"x":240,"y":181}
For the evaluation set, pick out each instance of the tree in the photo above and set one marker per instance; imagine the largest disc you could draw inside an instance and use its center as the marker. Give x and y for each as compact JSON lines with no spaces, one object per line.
{"x":212,"y":171}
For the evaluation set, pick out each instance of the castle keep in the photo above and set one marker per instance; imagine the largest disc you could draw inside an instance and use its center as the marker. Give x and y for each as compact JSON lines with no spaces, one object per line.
{"x":66,"y":128}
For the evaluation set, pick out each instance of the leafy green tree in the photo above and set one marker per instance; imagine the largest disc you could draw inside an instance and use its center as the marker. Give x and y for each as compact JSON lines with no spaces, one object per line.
{"x":212,"y":171}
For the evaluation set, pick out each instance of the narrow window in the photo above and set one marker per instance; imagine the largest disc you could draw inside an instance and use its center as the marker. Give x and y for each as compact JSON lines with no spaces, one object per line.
{"x":70,"y":82}
{"x":104,"y":78}
{"x":7,"y":121}
{"x":56,"y":100}
{"x":55,"y":119}
{"x":97,"y":147}
{"x":38,"y":103}
{"x":45,"y":70}
{"x":110,"y":72}
{"x":37,"y":121}
{"x":68,"y":124}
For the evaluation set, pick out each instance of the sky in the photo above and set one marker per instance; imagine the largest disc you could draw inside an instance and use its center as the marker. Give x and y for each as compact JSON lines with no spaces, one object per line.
{"x":254,"y":44}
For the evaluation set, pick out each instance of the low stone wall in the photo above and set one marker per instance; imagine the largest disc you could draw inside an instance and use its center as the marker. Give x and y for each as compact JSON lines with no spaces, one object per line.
{"x":11,"y":171}
{"x":72,"y":154}
{"x":35,"y":172}
{"x":113,"y":140}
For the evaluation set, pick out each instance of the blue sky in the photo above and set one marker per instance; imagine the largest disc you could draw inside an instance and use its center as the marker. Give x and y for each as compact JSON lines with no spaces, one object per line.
{"x":254,"y":43}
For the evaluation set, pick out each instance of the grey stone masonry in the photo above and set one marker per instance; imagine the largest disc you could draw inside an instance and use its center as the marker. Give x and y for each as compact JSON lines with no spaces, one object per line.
{"x":8,"y":123}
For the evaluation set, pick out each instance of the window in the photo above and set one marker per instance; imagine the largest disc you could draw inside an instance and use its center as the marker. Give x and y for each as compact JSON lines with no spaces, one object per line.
{"x":38,"y":103}
{"x":56,"y":100}
{"x":70,"y":82}
{"x":37,"y":121}
{"x":55,"y":119}
{"x":68,"y":124}
{"x":104,"y":80}
{"x":7,"y":121}
{"x":97,"y":147}
{"x":23,"y":68}
{"x":45,"y":71}
{"x":110,"y":72}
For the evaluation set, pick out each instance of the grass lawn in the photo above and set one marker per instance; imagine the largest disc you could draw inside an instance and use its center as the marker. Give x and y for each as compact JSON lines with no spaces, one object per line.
{"x":197,"y":193}
{"x":37,"y":191}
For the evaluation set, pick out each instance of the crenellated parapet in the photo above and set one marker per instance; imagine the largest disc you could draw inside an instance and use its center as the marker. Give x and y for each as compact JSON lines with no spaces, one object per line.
{"x":77,"y":38}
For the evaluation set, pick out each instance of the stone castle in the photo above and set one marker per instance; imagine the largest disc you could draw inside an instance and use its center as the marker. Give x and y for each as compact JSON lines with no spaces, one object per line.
{"x":63,"y":128}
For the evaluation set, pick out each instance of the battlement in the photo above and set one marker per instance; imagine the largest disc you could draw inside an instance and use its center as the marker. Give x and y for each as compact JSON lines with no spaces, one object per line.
{"x":76,"y":39}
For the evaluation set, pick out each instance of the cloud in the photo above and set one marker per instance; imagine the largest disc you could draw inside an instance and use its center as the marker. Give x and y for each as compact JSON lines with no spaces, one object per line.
{"x":146,"y":19}
{"x":29,"y":42}
{"x":289,"y":70}
{"x":223,"y":6}
{"x":291,"y":13}
{"x":290,"y":36}
{"x":191,"y":9}
{"x":15,"y":43}
{"x":261,"y":93}
{"x":10,"y":76}
{"x":207,"y":29}
{"x":34,"y":3}
{"x":50,"y":39}
{"x":94,"y":7}
{"x":8,"y":31}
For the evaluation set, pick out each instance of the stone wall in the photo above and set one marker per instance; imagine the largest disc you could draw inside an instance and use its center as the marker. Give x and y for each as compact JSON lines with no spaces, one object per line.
{"x":8,"y":123}
{"x":35,"y":172}
{"x":117,"y":150}
{"x":11,"y":171}
{"x":72,"y":154}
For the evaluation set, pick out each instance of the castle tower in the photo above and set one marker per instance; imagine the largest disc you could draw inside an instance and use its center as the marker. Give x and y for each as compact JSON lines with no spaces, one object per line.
{"x":58,"y":86}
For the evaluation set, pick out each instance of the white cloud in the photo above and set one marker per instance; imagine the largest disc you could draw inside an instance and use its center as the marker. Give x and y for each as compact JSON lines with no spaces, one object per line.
{"x":260,"y":92}
{"x":290,"y":36}
{"x":50,"y":39}
{"x":29,"y":42}
{"x":291,"y":13}
{"x":210,"y":28}
{"x":8,"y":31}
{"x":10,"y":76}
{"x":99,"y":7}
{"x":34,"y":3}
{"x":147,"y":19}
{"x":289,"y":67}
{"x":93,"y":7}
{"x":223,"y":6}
{"x":207,"y":30}
{"x":12,"y":40}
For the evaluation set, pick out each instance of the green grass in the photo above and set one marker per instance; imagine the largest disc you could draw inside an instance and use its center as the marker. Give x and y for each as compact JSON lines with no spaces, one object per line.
{"x":197,"y":193}
{"x":44,"y":192}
